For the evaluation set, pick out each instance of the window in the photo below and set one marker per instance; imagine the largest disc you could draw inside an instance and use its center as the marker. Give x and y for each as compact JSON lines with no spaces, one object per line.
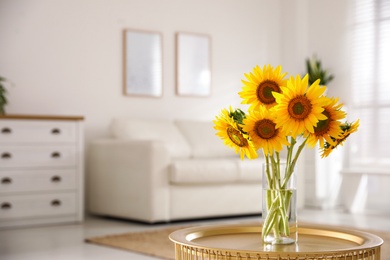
{"x":371,"y":82}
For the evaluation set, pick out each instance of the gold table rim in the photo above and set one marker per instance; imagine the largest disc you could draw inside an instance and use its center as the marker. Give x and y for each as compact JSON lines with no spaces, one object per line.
{"x":365,"y":240}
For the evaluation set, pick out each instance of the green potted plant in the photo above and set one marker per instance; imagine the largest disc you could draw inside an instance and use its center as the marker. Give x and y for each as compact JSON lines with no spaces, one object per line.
{"x":315,"y":71}
{"x":3,"y":99}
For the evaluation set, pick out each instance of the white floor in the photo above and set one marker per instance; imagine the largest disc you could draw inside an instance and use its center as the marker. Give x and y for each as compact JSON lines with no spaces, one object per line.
{"x":67,"y":241}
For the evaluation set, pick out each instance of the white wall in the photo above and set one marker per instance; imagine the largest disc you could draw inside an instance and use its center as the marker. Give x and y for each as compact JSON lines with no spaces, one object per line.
{"x":65,"y":56}
{"x":321,"y":28}
{"x":329,"y":38}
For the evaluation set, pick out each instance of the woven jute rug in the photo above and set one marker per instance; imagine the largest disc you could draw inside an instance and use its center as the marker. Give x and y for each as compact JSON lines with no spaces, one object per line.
{"x":156,"y":243}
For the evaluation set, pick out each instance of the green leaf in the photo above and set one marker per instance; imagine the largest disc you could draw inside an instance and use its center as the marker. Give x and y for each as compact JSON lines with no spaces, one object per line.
{"x":315,"y":71}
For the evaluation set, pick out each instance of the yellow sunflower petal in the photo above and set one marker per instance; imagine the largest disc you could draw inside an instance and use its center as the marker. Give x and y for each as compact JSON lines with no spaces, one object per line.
{"x":299,"y":107}
{"x":263,"y":132}
{"x":231,"y":135}
{"x":261,"y":84}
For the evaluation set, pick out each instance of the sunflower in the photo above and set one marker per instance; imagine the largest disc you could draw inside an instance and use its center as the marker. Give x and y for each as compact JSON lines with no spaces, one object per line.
{"x":299,"y":107}
{"x":230,"y":133}
{"x":262,"y":130}
{"x":347,"y":129}
{"x":261,"y":83}
{"x":328,"y":129}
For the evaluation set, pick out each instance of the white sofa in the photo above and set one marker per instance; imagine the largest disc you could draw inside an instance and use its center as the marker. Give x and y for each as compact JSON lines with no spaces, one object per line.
{"x":158,"y":171}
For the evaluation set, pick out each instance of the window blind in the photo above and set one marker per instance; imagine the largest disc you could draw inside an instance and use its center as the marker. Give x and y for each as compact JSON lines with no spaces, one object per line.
{"x":371,"y":83}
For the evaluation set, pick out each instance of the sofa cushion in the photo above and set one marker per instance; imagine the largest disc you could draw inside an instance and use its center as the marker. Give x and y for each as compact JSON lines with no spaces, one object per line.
{"x":202,"y":137}
{"x":203,"y":171}
{"x":250,"y":170}
{"x":140,"y":129}
{"x":217,"y":170}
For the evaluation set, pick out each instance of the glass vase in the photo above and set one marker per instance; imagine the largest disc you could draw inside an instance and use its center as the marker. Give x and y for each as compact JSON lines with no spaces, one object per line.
{"x":279,"y":212}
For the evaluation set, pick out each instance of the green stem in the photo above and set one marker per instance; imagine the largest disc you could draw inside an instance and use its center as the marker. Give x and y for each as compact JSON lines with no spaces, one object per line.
{"x":290,"y":150}
{"x":269,"y":222}
{"x":269,"y":178}
{"x":276,"y":219}
{"x":278,"y":198}
{"x":291,"y":166}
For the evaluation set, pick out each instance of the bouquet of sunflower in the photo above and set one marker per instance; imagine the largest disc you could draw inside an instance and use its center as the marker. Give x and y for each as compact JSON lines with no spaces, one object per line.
{"x":281,"y":111}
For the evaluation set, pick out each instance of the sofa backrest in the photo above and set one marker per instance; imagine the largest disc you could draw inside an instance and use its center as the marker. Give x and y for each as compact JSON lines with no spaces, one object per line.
{"x":160,"y":130}
{"x":183,"y":138}
{"x":203,"y":140}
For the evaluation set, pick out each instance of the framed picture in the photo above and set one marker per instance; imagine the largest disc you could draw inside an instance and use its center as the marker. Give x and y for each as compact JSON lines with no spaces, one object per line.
{"x":142,"y":63}
{"x":193,"y":64}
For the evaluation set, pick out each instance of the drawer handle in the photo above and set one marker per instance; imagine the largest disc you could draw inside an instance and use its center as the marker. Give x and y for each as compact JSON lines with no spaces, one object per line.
{"x":6,"y":180}
{"x":56,"y":179}
{"x":56,"y":203}
{"x":55,"y":155}
{"x":6,"y":155}
{"x":56,"y":131}
{"x":6,"y":130}
{"x":6,"y":205}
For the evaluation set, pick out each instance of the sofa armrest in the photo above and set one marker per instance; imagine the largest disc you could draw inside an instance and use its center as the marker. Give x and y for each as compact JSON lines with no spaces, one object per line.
{"x":129,"y":179}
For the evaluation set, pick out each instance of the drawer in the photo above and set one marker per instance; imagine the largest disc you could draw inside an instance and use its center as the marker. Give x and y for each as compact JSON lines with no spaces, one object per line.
{"x":37,"y":205}
{"x":37,"y":180}
{"x":17,"y":156}
{"x":37,"y":131}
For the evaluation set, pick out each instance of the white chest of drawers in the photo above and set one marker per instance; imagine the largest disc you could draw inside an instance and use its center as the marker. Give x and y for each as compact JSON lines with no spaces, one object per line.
{"x":41,"y":170}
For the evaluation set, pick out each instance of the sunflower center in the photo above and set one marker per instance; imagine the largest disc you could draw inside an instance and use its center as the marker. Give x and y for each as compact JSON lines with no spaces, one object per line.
{"x":236,"y":137}
{"x":264,"y":91}
{"x":299,"y":107}
{"x":322,"y":126}
{"x":265,"y":129}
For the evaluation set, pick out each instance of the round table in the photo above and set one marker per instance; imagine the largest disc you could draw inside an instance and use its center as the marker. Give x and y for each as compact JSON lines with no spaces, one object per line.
{"x":243,"y":241}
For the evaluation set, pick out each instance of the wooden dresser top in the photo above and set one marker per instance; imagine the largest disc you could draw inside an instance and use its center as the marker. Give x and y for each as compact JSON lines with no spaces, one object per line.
{"x":41,"y":117}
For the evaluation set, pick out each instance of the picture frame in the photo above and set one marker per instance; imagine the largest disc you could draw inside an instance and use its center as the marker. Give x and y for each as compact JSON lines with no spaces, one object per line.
{"x":193,"y":64}
{"x":143,"y":69}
